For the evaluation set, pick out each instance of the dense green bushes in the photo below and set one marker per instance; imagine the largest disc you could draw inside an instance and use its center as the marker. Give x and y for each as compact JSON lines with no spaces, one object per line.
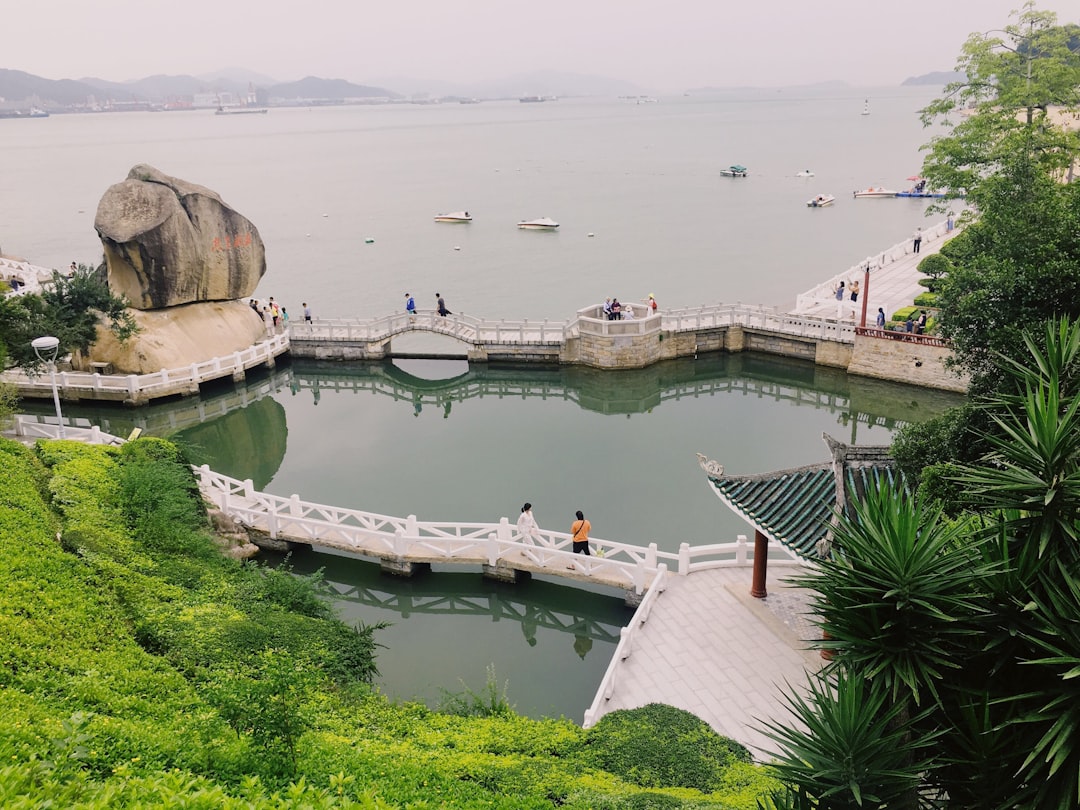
{"x":141,"y":668}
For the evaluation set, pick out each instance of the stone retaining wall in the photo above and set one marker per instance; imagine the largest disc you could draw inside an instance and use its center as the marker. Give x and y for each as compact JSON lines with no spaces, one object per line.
{"x":917,"y":364}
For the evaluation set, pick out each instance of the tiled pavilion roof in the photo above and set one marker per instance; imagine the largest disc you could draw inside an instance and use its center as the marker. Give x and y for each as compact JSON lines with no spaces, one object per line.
{"x":796,"y":507}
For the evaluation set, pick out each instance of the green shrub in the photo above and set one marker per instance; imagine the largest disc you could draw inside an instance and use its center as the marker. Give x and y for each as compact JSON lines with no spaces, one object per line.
{"x":901,"y":314}
{"x":661,"y":746}
{"x":926,"y":299}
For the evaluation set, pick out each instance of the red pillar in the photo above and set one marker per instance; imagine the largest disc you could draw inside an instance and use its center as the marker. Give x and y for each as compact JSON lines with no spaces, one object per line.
{"x":761,"y":564}
{"x":865,"y":293}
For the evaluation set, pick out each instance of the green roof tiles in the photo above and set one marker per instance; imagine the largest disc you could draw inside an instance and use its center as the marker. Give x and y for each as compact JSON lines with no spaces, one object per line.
{"x":795,"y":506}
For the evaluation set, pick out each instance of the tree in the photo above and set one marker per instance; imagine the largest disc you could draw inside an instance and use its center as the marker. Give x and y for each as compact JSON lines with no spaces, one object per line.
{"x":70,"y":309}
{"x":1018,"y":261}
{"x":1016,"y":80}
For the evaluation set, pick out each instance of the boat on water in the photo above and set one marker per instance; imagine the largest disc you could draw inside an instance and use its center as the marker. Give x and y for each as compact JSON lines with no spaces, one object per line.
{"x":735,"y":170}
{"x":456,"y":216}
{"x":804,"y":173}
{"x":240,"y":111}
{"x":820,"y":201}
{"x":920,"y":189}
{"x":541,"y":224}
{"x":866,"y":108}
{"x":531,"y":99}
{"x":874,"y":191}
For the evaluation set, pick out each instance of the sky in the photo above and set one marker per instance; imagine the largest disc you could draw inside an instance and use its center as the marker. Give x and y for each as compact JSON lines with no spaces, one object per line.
{"x":661,"y":46}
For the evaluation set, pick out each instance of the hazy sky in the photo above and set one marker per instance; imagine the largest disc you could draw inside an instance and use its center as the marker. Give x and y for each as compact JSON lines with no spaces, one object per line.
{"x":658,"y":45}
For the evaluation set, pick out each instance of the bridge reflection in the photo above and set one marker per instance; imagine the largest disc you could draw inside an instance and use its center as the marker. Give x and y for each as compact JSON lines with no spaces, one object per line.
{"x":855,"y":400}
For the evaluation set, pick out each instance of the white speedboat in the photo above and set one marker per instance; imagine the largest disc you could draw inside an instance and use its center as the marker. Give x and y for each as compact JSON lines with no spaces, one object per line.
{"x":875,"y":191}
{"x":820,"y":201}
{"x":456,"y":216}
{"x":541,"y":224}
{"x":734,"y":170}
{"x":804,"y":173}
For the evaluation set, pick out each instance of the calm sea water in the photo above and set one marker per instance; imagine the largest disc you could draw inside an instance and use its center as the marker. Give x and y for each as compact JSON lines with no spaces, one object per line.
{"x":446,"y":442}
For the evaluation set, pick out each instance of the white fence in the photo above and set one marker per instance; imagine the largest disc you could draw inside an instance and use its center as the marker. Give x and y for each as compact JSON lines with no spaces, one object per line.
{"x":148,"y":386}
{"x":624,"y":647}
{"x":463,"y":327}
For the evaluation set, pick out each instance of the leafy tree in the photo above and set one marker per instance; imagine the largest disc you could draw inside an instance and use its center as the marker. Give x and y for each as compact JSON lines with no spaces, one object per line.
{"x":1014,"y":79}
{"x":70,"y":309}
{"x":1018,"y":261}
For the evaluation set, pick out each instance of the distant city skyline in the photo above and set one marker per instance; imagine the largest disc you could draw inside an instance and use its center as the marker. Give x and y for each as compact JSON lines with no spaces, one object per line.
{"x":661,"y":47}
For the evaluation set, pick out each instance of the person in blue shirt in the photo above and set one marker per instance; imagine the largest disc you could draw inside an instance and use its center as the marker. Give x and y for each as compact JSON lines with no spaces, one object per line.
{"x":880,"y":318}
{"x":410,"y":304}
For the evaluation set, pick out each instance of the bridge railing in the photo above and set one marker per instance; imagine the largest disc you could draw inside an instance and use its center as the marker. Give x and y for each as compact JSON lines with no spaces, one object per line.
{"x":713,"y":316}
{"x":625,"y":647}
{"x":463,"y":327}
{"x":166,"y":380}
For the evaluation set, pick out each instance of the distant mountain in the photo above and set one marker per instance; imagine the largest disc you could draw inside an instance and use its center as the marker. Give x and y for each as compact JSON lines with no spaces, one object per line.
{"x":239,"y":76}
{"x":937,"y":77}
{"x":312,"y":87}
{"x":537,"y":83}
{"x":17,"y":86}
{"x":162,"y":88}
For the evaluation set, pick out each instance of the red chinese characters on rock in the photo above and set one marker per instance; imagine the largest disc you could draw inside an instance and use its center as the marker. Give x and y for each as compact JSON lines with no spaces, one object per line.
{"x":241,"y":240}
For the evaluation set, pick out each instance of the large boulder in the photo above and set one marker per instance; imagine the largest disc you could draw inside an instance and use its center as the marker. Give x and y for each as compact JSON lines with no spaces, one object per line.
{"x":169,"y":242}
{"x":178,"y":337}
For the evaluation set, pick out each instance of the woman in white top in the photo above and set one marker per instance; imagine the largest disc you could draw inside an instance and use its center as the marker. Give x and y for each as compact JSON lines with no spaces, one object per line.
{"x":526,"y":525}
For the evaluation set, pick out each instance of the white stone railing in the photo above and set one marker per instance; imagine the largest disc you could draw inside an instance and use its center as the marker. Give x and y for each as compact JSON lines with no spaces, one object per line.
{"x":625,"y":646}
{"x":463,"y":327}
{"x":161,"y":383}
{"x":30,"y":427}
{"x":825,"y":292}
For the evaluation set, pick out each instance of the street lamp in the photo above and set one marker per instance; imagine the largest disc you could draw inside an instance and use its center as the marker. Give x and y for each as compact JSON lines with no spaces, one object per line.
{"x":45,"y":348}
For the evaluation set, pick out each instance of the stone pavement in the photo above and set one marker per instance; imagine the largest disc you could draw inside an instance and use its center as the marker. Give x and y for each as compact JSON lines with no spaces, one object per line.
{"x":714,"y":650}
{"x":894,"y":283}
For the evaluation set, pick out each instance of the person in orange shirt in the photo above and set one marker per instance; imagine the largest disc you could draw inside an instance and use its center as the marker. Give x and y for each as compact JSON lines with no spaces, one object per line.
{"x":579,"y":530}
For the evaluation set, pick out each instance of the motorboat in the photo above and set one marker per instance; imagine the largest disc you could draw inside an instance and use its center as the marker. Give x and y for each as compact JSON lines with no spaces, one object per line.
{"x":804,"y":173}
{"x":866,"y":108}
{"x":735,"y":170}
{"x":820,"y":201}
{"x":455,"y":216}
{"x":541,"y":224}
{"x":875,"y":191}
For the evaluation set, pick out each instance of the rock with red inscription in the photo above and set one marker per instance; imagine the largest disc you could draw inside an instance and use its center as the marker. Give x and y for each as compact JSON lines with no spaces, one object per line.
{"x":169,"y":242}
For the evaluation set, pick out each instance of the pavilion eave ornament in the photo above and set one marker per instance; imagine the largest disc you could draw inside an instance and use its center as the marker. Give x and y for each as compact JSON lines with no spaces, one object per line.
{"x":712,"y":468}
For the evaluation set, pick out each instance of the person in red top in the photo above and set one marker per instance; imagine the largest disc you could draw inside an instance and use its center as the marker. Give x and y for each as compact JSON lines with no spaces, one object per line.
{"x":579,"y":530}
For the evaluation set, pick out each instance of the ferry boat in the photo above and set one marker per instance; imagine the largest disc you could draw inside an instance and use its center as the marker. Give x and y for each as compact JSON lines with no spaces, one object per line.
{"x":541,"y":224}
{"x":456,"y":216}
{"x":240,"y":111}
{"x":820,"y":201}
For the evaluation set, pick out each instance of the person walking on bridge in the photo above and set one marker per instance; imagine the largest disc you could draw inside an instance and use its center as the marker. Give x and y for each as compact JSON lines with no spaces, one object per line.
{"x":579,"y":531}
{"x":526,"y":525}
{"x":441,"y":305}
{"x":410,"y":304}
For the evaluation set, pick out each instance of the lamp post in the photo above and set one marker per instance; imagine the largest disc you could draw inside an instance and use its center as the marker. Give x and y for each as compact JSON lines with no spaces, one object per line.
{"x":46,"y":348}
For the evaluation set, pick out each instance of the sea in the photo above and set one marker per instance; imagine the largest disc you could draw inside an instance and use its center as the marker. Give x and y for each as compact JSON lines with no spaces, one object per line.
{"x":344,"y":199}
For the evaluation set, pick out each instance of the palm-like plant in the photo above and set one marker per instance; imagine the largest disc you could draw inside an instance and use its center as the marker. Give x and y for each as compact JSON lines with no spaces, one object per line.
{"x":897,"y":596}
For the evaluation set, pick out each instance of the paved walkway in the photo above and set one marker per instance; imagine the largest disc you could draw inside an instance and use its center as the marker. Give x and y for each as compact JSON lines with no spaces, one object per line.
{"x":892,"y":286}
{"x":714,"y":650}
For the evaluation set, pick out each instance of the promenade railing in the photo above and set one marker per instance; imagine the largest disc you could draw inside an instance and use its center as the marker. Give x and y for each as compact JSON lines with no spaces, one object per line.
{"x":466,"y":328}
{"x":825,"y":293}
{"x":160,"y":383}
